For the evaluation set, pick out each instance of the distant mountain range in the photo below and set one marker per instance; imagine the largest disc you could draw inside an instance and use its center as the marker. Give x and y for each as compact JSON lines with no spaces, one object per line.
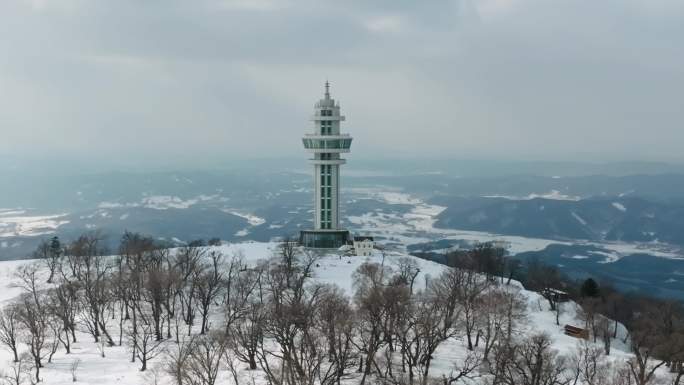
{"x":599,"y":219}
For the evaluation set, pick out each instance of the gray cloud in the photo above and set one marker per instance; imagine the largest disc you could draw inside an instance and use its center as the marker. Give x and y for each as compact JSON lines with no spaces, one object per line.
{"x":195,"y":81}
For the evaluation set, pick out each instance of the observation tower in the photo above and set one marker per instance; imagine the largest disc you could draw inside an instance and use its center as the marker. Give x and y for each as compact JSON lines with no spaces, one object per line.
{"x":326,"y":144}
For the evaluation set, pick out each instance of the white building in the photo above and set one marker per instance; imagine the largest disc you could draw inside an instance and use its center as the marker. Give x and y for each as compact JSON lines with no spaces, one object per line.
{"x":326,"y":143}
{"x":363,"y":246}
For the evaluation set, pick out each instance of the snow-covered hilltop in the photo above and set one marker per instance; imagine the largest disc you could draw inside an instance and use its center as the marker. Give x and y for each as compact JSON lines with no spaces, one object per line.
{"x":205,"y":315}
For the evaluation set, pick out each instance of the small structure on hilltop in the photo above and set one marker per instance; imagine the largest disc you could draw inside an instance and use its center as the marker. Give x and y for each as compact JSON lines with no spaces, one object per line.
{"x":574,"y":331}
{"x":555,"y":295}
{"x":364,"y":246}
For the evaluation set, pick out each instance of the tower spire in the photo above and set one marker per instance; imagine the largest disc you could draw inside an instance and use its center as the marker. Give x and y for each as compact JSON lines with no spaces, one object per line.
{"x":327,"y":89}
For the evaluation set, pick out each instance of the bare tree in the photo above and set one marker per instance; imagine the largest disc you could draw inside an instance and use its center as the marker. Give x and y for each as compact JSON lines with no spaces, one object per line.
{"x":63,"y":304}
{"x":420,"y":333}
{"x":469,"y":295}
{"x":337,"y":322}
{"x":543,"y":278}
{"x":408,"y":270}
{"x":447,"y":289}
{"x":208,"y":282}
{"x":204,"y":359}
{"x":28,"y":277}
{"x":247,"y":333}
{"x":370,"y":275}
{"x":35,"y":331}
{"x":642,"y":367}
{"x":466,"y":370}
{"x":9,"y":329}
{"x":589,"y":313}
{"x":19,"y":372}
{"x":176,"y":361}
{"x":512,"y":266}
{"x":172,"y":287}
{"x":231,"y":364}
{"x":32,"y":317}
{"x":73,"y":368}
{"x":531,"y":362}
{"x":188,"y":262}
{"x":50,"y":252}
{"x":153,"y":293}
{"x":135,"y":251}
{"x":501,"y":311}
{"x":92,"y":271}
{"x":291,"y":305}
{"x":55,"y":326}
{"x":604,"y":328}
{"x":589,"y":365}
{"x":369,"y":297}
{"x":143,"y":341}
{"x":102,"y":347}
{"x":240,"y":284}
{"x":487,"y":259}
{"x":651,"y":332}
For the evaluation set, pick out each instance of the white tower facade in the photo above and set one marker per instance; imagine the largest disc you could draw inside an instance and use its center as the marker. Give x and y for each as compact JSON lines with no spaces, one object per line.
{"x":326,"y":144}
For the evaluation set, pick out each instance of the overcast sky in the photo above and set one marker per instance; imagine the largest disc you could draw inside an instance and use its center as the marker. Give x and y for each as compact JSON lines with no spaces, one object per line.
{"x":193,"y":81}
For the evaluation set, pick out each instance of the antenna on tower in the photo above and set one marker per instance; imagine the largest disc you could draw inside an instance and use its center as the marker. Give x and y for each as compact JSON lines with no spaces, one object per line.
{"x":327,"y":88}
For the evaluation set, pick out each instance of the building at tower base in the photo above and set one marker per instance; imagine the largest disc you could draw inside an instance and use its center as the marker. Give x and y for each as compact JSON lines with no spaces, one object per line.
{"x":326,"y":144}
{"x":324,"y":239}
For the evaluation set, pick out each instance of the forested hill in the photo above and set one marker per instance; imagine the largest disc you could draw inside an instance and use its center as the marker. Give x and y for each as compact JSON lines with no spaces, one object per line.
{"x":232,"y":314}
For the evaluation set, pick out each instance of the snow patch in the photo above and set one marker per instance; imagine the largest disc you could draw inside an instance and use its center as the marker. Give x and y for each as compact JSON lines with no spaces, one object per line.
{"x":619,"y":206}
{"x":162,"y":202}
{"x":242,"y":233}
{"x":251,"y":218}
{"x":609,"y":257}
{"x":551,"y":195}
{"x":5,"y":212}
{"x":579,"y":219}
{"x":12,"y":226}
{"x":387,"y":195}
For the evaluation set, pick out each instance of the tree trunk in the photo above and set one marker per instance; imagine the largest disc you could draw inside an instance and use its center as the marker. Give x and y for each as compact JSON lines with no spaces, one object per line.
{"x":14,"y":351}
{"x":38,"y":365}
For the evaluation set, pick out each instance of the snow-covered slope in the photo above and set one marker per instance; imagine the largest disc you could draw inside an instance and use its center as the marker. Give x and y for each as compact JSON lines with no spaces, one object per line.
{"x":116,"y":366}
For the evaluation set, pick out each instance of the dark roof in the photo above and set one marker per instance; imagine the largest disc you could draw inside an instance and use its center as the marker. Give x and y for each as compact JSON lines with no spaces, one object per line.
{"x":360,"y":239}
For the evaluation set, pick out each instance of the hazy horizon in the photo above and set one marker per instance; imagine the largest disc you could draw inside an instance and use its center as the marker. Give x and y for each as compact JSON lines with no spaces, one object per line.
{"x":30,"y":168}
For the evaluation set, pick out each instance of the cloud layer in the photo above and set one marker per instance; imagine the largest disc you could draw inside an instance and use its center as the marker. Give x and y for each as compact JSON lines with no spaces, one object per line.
{"x":194,"y":81}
